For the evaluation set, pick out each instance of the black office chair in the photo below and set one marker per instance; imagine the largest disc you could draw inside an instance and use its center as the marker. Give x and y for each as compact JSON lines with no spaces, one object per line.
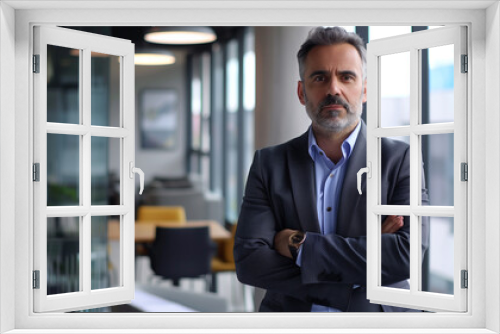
{"x":182,"y":252}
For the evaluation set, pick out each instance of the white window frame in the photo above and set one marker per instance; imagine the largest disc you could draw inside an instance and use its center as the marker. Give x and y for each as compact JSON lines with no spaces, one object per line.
{"x":483,"y":20}
{"x":85,"y":297}
{"x":412,"y":44}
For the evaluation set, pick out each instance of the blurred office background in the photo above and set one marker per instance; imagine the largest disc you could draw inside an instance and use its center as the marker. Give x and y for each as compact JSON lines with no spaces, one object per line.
{"x":199,"y":120}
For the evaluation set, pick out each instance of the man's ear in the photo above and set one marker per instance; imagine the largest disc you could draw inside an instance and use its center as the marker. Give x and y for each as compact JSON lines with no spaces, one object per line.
{"x":300,"y":92}
{"x":364,"y":91}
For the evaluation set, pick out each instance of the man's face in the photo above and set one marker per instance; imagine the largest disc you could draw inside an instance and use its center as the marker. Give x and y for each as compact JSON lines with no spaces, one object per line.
{"x":332,"y":89}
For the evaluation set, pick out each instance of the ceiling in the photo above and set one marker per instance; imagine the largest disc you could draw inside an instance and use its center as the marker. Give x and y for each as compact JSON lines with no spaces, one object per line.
{"x":136,"y":36}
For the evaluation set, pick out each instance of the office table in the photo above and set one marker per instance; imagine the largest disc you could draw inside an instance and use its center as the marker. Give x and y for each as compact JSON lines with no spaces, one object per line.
{"x":145,"y":232}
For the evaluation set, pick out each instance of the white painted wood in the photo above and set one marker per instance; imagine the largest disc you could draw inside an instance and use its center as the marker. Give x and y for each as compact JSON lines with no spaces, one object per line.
{"x":418,"y":129}
{"x":483,"y":102}
{"x":415,"y":298}
{"x":86,"y":298}
{"x":406,"y":210}
{"x":247,"y":4}
{"x":7,"y":167}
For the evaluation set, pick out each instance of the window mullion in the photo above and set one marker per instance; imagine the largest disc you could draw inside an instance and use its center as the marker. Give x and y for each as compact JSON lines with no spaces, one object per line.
{"x":414,"y":171}
{"x":85,"y":172}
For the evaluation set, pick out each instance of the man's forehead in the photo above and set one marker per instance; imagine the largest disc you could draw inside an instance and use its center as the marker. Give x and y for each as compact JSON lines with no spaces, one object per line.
{"x":338,"y":55}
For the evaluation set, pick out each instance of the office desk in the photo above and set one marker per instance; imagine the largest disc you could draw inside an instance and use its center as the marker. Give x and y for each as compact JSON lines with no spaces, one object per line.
{"x":145,"y":232}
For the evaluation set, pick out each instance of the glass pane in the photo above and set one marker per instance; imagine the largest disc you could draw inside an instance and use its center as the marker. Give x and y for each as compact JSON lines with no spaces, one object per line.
{"x":395,"y":251}
{"x":232,"y":77}
{"x":63,"y":82}
{"x":105,"y":248}
{"x":105,"y":171}
{"x":196,"y":103}
{"x":395,"y":89}
{"x":205,"y":170}
{"x":440,"y":84}
{"x":63,"y":169}
{"x":437,"y":267}
{"x":63,"y":255}
{"x":249,"y":97}
{"x":105,"y":90}
{"x":438,"y":168}
{"x":402,"y":197}
{"x":217,"y":119}
{"x":232,"y":89}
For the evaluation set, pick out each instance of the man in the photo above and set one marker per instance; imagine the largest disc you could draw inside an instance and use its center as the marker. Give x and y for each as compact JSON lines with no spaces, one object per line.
{"x":302,"y":227}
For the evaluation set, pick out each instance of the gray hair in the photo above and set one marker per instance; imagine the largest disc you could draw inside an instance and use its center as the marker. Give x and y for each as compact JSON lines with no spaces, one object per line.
{"x":330,"y":36}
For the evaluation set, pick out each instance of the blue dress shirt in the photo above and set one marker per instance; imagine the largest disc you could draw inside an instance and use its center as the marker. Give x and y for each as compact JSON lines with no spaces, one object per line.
{"x":329,"y":179}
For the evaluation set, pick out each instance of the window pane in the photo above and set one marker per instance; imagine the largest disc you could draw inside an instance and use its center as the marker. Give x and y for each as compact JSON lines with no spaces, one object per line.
{"x":232,"y":77}
{"x":438,"y":167}
{"x":205,"y":108}
{"x":248,"y":99}
{"x":395,"y":264}
{"x":196,"y":105}
{"x":390,"y":144}
{"x":105,"y":188}
{"x":63,"y":82}
{"x":441,"y":84}
{"x":395,"y":89}
{"x":63,"y":169}
{"x":63,"y":255}
{"x":232,"y":135}
{"x":438,"y":264}
{"x":205,"y":170}
{"x":105,"y":248}
{"x":105,"y":90}
{"x":217,"y":117}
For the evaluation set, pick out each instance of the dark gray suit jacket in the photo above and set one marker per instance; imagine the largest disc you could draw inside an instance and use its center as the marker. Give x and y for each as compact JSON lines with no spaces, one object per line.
{"x":280,"y":193}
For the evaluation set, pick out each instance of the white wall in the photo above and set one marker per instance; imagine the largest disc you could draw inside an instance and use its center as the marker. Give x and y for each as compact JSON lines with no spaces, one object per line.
{"x":279,"y":116}
{"x":7,"y":167}
{"x":161,"y":162}
{"x":492,"y":164}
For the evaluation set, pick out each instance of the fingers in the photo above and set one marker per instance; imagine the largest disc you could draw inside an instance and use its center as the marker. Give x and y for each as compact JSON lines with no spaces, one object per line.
{"x":392,"y":224}
{"x":281,"y":242}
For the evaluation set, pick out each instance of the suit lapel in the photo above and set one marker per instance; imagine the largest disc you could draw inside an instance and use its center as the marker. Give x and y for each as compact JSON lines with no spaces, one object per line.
{"x":349,"y":196}
{"x":303,"y":183}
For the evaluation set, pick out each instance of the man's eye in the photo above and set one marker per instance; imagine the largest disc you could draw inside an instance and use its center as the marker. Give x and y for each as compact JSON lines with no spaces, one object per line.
{"x":319,"y":78}
{"x":347,"y":78}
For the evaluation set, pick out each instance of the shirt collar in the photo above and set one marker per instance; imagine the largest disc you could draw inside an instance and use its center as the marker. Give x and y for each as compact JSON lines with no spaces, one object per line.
{"x":347,"y":145}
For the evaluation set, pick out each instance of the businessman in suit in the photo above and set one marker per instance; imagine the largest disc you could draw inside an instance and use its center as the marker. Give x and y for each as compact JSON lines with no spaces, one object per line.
{"x":302,"y":227}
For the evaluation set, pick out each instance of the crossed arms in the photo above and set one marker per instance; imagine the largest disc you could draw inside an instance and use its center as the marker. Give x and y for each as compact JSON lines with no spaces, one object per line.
{"x":330,"y":262}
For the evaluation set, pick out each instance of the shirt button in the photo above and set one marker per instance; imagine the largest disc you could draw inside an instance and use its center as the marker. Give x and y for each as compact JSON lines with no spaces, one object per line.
{"x":331,"y":175}
{"x":329,"y":209}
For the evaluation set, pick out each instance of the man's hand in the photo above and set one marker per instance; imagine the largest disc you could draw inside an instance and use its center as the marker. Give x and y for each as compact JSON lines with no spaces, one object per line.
{"x":281,"y":242}
{"x":392,"y":224}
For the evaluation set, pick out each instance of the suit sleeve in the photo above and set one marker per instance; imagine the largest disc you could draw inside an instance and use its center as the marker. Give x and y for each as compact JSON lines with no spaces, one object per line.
{"x":258,"y":264}
{"x":333,"y":257}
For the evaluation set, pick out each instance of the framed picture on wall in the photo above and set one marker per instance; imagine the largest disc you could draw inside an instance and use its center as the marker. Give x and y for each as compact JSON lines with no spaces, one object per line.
{"x":158,"y":119}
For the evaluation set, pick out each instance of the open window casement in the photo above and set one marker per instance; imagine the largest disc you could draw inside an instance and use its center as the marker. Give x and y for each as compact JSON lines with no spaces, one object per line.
{"x":417,"y":93}
{"x":83,"y":140}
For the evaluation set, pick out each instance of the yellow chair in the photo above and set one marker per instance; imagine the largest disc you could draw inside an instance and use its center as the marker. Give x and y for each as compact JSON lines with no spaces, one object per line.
{"x":159,"y":216}
{"x":161,"y":213}
{"x":224,"y":260}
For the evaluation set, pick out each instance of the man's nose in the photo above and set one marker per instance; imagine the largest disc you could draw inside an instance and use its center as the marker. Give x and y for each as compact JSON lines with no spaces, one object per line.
{"x":334,"y":87}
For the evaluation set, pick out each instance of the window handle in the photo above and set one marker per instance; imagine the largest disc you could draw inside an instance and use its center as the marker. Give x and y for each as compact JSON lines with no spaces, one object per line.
{"x":134,"y":170}
{"x":368,"y":171}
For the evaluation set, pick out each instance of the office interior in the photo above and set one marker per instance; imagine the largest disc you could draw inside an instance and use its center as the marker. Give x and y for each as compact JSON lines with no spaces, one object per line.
{"x":198,"y":116}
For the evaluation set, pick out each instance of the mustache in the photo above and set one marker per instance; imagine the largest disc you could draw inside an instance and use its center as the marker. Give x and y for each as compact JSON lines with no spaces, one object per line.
{"x":334,"y":99}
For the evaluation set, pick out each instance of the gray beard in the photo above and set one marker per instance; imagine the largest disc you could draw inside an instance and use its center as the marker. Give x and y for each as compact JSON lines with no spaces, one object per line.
{"x":328,"y":119}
